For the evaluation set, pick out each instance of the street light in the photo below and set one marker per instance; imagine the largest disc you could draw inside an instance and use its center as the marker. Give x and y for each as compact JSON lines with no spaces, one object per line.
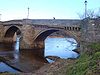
{"x":85,"y":8}
{"x":28,"y":13}
{"x":0,"y":17}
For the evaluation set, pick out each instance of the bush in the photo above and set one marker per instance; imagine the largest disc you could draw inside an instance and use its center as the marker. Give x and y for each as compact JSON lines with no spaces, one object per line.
{"x":93,"y":48}
{"x":88,"y":62}
{"x":96,"y":56}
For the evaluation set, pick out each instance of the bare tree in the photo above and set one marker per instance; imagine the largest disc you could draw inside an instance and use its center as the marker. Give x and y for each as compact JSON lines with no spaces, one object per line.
{"x":90,"y":14}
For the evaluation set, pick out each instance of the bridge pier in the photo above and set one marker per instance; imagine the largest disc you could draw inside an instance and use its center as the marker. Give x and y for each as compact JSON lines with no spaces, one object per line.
{"x":1,"y":32}
{"x":39,"y":45}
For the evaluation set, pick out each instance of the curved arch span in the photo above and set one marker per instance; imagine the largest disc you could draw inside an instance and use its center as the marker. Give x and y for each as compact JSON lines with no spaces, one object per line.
{"x":39,"y":39}
{"x":11,"y":31}
{"x":44,"y":34}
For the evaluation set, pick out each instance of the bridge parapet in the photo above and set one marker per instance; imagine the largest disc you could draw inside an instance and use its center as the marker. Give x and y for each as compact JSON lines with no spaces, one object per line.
{"x":60,"y":22}
{"x":14,"y":22}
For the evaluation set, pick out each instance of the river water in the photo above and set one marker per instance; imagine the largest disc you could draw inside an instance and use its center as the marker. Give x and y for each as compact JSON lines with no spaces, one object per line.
{"x":61,"y":47}
{"x":4,"y":67}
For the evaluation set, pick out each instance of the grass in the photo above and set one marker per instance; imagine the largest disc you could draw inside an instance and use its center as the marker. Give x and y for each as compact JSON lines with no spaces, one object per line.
{"x":88,"y":63}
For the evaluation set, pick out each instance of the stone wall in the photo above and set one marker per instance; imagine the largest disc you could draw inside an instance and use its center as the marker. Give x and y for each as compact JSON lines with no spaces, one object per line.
{"x":65,"y":22}
{"x":27,"y":37}
{"x":90,"y":32}
{"x":1,"y":32}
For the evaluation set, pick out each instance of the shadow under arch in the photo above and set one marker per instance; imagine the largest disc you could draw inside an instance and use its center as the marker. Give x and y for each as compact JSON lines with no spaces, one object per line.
{"x":12,"y":38}
{"x":11,"y":31}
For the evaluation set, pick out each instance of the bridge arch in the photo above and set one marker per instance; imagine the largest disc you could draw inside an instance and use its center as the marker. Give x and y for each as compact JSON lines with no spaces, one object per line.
{"x":42,"y":35}
{"x":11,"y":34}
{"x":11,"y":31}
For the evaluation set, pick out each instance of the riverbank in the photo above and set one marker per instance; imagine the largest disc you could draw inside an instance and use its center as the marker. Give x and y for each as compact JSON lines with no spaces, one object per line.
{"x":58,"y":67}
{"x":87,"y":64}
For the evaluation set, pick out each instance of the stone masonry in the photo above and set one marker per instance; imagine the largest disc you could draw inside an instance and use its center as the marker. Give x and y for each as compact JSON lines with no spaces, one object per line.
{"x":32,"y":29}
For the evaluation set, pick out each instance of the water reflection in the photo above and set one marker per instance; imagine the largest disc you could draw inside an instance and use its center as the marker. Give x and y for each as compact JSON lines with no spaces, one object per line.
{"x":61,"y":47}
{"x":50,"y":61}
{"x":22,"y":58}
{"x":6,"y":68}
{"x":16,"y":49}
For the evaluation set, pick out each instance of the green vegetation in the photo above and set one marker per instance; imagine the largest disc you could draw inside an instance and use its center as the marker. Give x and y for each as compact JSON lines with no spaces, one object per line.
{"x":2,"y":59}
{"x":88,"y":63}
{"x":6,"y":73}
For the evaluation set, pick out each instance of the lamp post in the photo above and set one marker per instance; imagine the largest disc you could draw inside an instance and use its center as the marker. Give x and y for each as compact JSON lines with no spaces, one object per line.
{"x":28,"y":13}
{"x":85,"y":8}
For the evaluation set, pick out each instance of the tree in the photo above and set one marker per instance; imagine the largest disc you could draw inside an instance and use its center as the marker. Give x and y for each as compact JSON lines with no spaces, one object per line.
{"x":90,"y":14}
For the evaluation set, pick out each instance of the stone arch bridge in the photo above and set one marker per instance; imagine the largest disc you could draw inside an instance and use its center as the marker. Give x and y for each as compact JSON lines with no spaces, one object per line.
{"x":34,"y":32}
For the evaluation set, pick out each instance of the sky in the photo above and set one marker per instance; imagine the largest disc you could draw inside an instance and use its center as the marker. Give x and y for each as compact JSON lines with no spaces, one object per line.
{"x":44,"y":9}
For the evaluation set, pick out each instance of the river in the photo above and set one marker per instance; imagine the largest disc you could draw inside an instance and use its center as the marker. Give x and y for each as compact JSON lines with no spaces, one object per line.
{"x":61,"y":47}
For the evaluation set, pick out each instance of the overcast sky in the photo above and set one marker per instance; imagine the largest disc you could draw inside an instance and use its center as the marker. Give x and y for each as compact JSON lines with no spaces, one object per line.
{"x":44,"y":9}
